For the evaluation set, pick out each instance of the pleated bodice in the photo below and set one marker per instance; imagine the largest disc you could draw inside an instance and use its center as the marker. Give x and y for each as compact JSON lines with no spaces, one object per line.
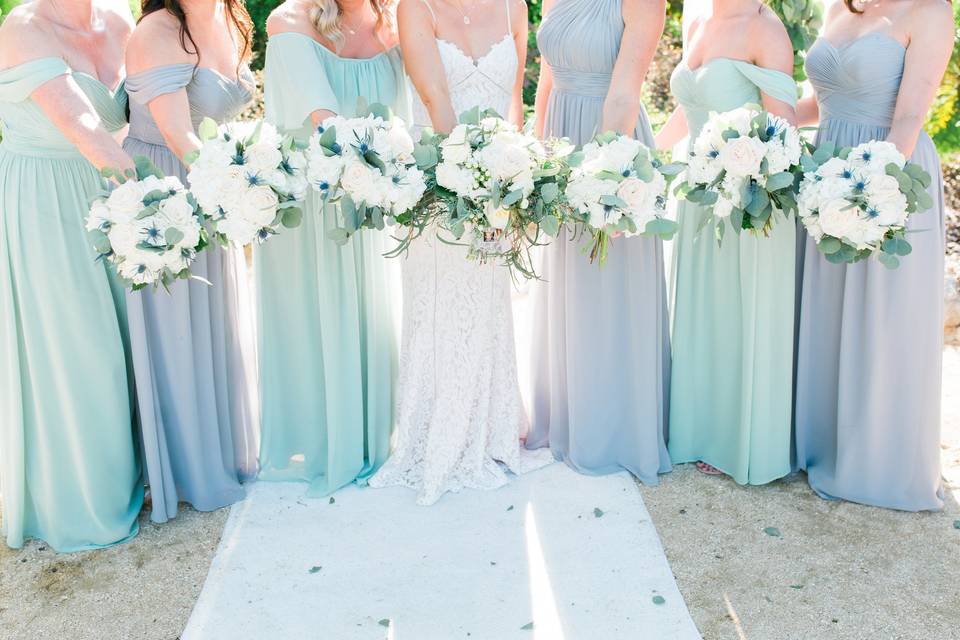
{"x":582,"y":70}
{"x":211,"y":95}
{"x":26,"y":128}
{"x":857,"y":83}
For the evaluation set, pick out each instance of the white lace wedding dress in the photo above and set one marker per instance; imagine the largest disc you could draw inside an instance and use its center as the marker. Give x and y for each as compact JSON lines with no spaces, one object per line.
{"x":459,"y":413}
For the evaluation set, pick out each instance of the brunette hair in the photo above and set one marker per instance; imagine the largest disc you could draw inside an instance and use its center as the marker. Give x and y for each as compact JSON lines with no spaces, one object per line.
{"x":236,"y":10}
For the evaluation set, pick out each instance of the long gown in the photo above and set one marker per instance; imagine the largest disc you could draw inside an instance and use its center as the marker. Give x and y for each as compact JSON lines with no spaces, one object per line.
{"x":459,"y":411}
{"x":68,"y":468}
{"x":192,"y":347}
{"x":870,"y":339}
{"x":327,"y":342}
{"x":601,"y":352}
{"x":732,"y":379}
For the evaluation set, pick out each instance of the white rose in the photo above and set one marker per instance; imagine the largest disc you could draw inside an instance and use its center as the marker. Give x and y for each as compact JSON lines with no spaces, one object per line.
{"x":99,"y":215}
{"x":357,"y":178}
{"x":839,"y":219}
{"x":454,"y":178}
{"x":259,"y":206}
{"x":620,"y":153}
{"x":261,"y":158}
{"x":324,"y":171}
{"x":723,"y":208}
{"x":742,"y":156}
{"x":237,"y":231}
{"x":126,"y":201}
{"x":176,"y":211}
{"x":640,"y":196}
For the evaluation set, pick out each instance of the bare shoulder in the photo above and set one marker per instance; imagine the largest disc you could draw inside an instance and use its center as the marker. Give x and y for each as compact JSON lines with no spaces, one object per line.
{"x":154,"y":42}
{"x":769,"y":42}
{"x":414,"y":11}
{"x":930,"y":19}
{"x":290,"y":16}
{"x":518,"y":17}
{"x":637,"y":10}
{"x":835,"y":8}
{"x":119,"y":19}
{"x":24,"y":36}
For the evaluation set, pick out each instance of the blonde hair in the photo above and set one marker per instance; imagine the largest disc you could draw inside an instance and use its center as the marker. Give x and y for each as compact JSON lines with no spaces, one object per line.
{"x":325,"y":16}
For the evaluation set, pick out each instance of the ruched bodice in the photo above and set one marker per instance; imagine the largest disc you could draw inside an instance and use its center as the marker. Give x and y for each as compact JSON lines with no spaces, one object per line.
{"x":582,"y":70}
{"x":211,"y":95}
{"x":858,"y":81}
{"x":724,"y":84}
{"x":26,"y":128}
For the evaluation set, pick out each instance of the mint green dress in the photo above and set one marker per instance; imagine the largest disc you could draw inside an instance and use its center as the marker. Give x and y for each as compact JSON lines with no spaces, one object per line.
{"x":327,"y":344}
{"x":68,"y":468}
{"x":731,"y":383}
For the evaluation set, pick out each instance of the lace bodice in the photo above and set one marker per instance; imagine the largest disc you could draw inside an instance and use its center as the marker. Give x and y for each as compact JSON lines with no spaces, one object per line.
{"x":485,"y":82}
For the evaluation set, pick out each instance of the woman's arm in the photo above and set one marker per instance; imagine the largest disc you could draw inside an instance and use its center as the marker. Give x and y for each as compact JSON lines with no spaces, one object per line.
{"x":643,"y":26}
{"x":67,"y":106}
{"x":518,"y":16}
{"x":544,"y":83}
{"x":808,"y":111}
{"x":772,"y":50}
{"x":672,"y":131}
{"x":424,"y":66}
{"x":928,"y":53}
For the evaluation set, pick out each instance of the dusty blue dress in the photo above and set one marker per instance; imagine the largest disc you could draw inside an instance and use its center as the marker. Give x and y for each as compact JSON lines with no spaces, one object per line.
{"x":870,"y":339}
{"x":68,"y":470}
{"x":327,"y":344}
{"x":601,"y":351}
{"x":192,"y":348}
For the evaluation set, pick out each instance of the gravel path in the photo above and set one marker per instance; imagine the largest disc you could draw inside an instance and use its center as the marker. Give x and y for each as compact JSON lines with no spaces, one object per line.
{"x":770,"y":562}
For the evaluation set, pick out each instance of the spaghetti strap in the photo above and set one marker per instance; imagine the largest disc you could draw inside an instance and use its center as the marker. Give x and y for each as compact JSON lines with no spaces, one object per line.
{"x":430,"y":9}
{"x":509,"y":21}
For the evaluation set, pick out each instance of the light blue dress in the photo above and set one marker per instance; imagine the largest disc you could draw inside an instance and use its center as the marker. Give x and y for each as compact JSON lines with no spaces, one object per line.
{"x":68,"y":468}
{"x":870,"y":339}
{"x":731,"y":390}
{"x":192,"y":350}
{"x":327,"y":344}
{"x":601,"y":349}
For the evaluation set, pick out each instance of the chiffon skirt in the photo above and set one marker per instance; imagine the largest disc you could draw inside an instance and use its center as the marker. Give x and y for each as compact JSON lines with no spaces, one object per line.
{"x":328,"y":357}
{"x":195,"y":375}
{"x":600,"y":365}
{"x":869,"y":358}
{"x":68,"y":468}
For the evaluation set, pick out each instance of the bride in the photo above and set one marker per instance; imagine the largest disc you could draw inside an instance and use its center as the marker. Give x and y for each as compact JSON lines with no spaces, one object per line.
{"x":459,"y":414}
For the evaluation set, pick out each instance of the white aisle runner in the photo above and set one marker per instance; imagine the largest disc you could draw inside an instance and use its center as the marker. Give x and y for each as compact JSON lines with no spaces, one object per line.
{"x":576,"y":556}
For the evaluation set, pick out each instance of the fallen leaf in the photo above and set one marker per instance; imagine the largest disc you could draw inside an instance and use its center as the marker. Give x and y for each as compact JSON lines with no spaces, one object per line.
{"x":796,"y":586}
{"x":772,"y":532}
{"x":956,"y":524}
{"x":315,"y":569}
{"x":332,"y":500}
{"x":510,"y":508}
{"x":659,"y":600}
{"x":384,"y":623}
{"x":597,"y":513}
{"x":527,"y":627}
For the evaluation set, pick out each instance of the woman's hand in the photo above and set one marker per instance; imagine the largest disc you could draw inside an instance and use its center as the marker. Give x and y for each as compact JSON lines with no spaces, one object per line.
{"x":643,"y":26}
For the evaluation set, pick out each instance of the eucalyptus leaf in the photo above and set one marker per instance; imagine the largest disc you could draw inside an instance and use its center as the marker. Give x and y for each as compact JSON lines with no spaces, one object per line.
{"x":549,"y":192}
{"x":208,"y":129}
{"x":292,"y":217}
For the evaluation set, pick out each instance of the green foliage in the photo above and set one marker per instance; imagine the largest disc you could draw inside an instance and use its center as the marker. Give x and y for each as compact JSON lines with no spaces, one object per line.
{"x":943,"y":122}
{"x":803,"y":20}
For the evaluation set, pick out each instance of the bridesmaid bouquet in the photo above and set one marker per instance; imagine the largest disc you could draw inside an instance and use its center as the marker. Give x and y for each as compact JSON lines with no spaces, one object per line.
{"x":248,"y":180}
{"x":149,"y":227}
{"x":856,"y":204}
{"x":365,"y":169}
{"x":498,"y":185}
{"x":743,"y":167}
{"x":618,"y":186}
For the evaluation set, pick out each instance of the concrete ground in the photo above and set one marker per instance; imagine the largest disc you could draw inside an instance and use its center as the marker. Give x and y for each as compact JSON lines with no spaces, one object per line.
{"x":758,"y":563}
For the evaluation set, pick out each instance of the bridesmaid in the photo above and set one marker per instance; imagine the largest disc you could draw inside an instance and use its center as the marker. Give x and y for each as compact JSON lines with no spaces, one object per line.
{"x":68,"y":470}
{"x":186,"y":62}
{"x":601,"y":365}
{"x":731,"y":388}
{"x":327,"y":345}
{"x":870,"y":338}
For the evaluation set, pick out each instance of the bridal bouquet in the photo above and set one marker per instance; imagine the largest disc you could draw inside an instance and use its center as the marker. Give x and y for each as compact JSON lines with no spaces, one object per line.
{"x":499,"y":186}
{"x":743,"y":167}
{"x":364,"y":168}
{"x":248,"y":180}
{"x":856,"y":204}
{"x":618,"y":187}
{"x":149,"y":227}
